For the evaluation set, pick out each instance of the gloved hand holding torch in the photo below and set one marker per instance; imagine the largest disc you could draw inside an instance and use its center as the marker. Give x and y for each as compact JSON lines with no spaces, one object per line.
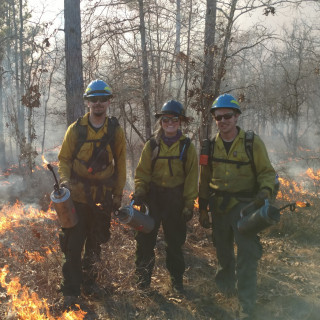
{"x":139,"y":198}
{"x":261,"y":196}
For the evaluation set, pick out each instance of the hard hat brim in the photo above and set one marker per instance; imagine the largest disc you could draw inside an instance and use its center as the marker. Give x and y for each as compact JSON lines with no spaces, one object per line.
{"x":160,"y":114}
{"x":97,"y":94}
{"x":212,"y":109}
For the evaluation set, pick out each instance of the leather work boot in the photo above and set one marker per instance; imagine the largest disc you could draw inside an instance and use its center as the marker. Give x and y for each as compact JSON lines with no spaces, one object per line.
{"x":94,"y":291}
{"x":177,"y":285}
{"x":70,"y":302}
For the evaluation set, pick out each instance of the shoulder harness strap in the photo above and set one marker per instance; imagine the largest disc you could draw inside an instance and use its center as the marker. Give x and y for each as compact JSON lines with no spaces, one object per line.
{"x":107,"y":138}
{"x":155,"y":149}
{"x":238,"y":163}
{"x":248,"y":143}
{"x":81,"y":137}
{"x":184,"y":145}
{"x":113,"y":123}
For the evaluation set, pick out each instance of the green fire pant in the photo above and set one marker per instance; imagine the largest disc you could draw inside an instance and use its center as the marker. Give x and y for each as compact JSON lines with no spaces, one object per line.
{"x":165,"y":206}
{"x":240,"y":270}
{"x":88,"y":234}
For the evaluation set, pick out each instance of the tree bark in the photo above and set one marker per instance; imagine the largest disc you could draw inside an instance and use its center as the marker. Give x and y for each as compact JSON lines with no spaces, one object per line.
{"x":186,"y":75}
{"x":177,"y":50}
{"x":208,"y":84}
{"x":2,"y":143}
{"x":145,"y":73}
{"x":20,"y":110}
{"x":73,"y":53}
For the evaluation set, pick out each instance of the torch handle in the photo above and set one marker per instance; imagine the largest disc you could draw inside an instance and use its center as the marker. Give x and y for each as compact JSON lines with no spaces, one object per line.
{"x":54,"y":175}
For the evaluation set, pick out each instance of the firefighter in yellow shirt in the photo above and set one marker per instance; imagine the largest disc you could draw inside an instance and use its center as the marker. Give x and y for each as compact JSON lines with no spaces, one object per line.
{"x":166,"y":179}
{"x":92,"y":164}
{"x":227,"y":183}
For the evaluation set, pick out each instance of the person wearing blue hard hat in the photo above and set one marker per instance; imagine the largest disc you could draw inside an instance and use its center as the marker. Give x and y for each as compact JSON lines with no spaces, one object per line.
{"x":238,"y":171}
{"x":92,"y":164}
{"x":166,"y":178}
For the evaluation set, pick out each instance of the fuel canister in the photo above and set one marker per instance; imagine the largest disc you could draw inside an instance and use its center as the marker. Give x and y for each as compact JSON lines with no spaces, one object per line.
{"x":253,"y":221}
{"x":64,"y":207}
{"x":136,"y":219}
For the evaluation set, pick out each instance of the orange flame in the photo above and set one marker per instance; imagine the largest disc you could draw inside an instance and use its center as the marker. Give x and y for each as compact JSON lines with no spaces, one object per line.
{"x":196,"y":203}
{"x":10,"y":216}
{"x":302,"y":204}
{"x":34,"y":256}
{"x":28,"y":306}
{"x":45,"y":162}
{"x":311,"y":174}
{"x":288,"y":189}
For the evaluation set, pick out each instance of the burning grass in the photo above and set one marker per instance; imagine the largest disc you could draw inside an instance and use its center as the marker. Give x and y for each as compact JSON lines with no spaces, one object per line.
{"x":289,"y":277}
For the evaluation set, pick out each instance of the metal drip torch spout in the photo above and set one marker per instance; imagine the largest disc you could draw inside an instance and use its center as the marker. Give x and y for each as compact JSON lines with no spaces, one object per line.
{"x":294,"y":205}
{"x":56,"y":185}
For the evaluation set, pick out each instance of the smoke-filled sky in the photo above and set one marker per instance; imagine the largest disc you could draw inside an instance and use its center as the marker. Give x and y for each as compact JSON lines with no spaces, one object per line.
{"x":53,"y":10}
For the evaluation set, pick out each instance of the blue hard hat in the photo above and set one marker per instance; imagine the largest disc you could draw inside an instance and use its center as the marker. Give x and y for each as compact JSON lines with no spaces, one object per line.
{"x":172,"y":107}
{"x":97,"y":88}
{"x":225,"y":101}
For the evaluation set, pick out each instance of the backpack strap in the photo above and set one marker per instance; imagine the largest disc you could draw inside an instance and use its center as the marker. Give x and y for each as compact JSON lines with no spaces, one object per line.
{"x":183,"y":149}
{"x":113,"y":123}
{"x":81,"y":137}
{"x":108,"y":138}
{"x":248,"y":143}
{"x":155,"y":149}
{"x":184,"y":145}
{"x":249,"y":136}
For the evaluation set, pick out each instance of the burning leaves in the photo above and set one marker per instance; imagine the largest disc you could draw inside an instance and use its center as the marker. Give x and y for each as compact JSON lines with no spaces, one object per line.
{"x":26,"y":305}
{"x":302,"y":204}
{"x":12,"y":216}
{"x":29,"y":241}
{"x":313,"y":175}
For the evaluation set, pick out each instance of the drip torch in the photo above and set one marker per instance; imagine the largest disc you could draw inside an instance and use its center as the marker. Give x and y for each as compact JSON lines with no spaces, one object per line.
{"x":139,"y":220}
{"x":63,"y":204}
{"x":255,"y":220}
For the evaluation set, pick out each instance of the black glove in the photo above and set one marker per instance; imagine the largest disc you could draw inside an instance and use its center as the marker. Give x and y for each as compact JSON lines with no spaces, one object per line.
{"x":187,"y":214}
{"x":261,"y":196}
{"x":116,"y":202}
{"x":204,"y":219}
{"x":139,"y":199}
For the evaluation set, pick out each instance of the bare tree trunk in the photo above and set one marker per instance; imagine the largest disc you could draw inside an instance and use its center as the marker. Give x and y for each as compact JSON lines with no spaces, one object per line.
{"x":221,"y":67}
{"x":177,"y":49}
{"x":188,"y":58}
{"x":145,"y":73}
{"x":2,"y":143}
{"x":22,"y":75}
{"x":207,"y":85}
{"x":45,"y":106}
{"x":20,"y":110}
{"x":73,"y":53}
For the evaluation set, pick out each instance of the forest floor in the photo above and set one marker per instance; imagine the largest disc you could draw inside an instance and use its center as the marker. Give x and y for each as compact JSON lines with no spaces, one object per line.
{"x":30,"y":269}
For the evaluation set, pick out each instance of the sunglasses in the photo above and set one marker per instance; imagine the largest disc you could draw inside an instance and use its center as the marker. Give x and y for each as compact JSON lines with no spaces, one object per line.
{"x":226,"y":116}
{"x":99,"y":98}
{"x":172,"y":119}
